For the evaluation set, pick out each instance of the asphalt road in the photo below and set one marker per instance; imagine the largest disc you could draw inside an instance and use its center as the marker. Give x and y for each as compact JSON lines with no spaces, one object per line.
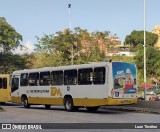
{"x":38,"y":114}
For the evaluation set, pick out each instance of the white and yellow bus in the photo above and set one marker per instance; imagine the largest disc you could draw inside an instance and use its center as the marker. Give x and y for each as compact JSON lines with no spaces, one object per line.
{"x":86,"y":85}
{"x":5,"y":88}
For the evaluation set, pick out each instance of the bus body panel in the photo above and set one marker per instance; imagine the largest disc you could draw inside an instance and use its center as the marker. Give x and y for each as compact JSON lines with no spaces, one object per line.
{"x":5,"y":89}
{"x":83,"y":95}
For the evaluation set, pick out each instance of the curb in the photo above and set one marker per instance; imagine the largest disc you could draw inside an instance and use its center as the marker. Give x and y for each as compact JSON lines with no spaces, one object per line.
{"x":131,"y":109}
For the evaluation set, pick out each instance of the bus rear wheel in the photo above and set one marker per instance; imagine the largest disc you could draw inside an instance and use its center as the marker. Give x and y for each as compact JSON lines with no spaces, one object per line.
{"x":25,"y":102}
{"x":47,"y":106}
{"x":68,"y":104}
{"x":92,"y":109}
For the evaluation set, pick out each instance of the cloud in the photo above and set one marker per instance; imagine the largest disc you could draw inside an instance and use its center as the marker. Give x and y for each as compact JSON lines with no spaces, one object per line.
{"x":27,"y":48}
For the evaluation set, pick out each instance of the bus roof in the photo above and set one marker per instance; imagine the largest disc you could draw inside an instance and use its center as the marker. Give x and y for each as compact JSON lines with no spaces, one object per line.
{"x":79,"y":66}
{"x":4,"y":75}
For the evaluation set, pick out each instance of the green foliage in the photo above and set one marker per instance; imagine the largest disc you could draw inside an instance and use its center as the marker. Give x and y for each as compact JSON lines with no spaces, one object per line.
{"x":61,"y":45}
{"x":137,"y":38}
{"x":152,"y":62}
{"x":9,"y":38}
{"x":10,"y":62}
{"x":136,"y":41}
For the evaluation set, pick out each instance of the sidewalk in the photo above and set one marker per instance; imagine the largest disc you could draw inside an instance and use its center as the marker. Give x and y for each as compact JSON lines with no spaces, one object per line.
{"x":140,"y":106}
{"x":132,"y":108}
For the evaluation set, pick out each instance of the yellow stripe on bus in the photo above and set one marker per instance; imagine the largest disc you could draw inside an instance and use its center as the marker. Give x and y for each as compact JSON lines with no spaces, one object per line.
{"x":77,"y":101}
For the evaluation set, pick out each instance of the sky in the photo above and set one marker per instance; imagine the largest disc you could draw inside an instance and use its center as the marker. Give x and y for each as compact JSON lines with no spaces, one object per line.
{"x":33,"y":18}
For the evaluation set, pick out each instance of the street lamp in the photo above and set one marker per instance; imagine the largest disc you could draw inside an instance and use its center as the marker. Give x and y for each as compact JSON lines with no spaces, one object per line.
{"x":70,"y":26}
{"x":69,"y":7}
{"x":144,"y":49}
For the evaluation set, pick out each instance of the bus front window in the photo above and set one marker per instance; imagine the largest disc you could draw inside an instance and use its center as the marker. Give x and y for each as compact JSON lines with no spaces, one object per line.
{"x":15,"y":84}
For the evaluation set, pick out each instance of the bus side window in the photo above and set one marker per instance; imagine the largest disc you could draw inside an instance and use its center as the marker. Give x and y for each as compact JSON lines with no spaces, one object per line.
{"x":85,"y":76}
{"x":5,"y":83}
{"x":44,"y":78}
{"x":24,"y":79}
{"x":70,"y":77}
{"x":1,"y":83}
{"x":99,"y":75}
{"x":33,"y":79}
{"x":57,"y":77}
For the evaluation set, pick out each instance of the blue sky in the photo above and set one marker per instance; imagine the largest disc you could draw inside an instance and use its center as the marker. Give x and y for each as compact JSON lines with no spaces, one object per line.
{"x":34,"y":17}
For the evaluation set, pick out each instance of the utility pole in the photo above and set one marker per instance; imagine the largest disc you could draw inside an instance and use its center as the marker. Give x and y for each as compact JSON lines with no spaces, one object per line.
{"x":70,"y":27}
{"x":144,"y":49}
{"x":69,"y":7}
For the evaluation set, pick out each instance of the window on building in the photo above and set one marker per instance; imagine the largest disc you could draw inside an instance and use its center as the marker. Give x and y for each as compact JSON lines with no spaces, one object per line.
{"x":24,"y":79}
{"x":70,"y":77}
{"x":85,"y":76}
{"x":34,"y":79}
{"x":99,"y":75}
{"x":44,"y":78}
{"x":57,"y":77}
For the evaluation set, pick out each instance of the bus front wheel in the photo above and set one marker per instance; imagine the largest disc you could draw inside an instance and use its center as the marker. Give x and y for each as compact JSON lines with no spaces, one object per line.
{"x":25,"y":102}
{"x":68,"y":103}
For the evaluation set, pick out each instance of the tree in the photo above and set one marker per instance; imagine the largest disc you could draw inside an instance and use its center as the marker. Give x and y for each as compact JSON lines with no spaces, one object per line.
{"x":9,"y":38}
{"x":152,"y":62}
{"x":137,"y":38}
{"x":11,"y":62}
{"x":59,"y":45}
{"x":86,"y":46}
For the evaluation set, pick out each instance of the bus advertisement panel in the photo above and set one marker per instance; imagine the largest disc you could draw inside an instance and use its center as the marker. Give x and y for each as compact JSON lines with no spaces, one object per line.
{"x":124,"y":76}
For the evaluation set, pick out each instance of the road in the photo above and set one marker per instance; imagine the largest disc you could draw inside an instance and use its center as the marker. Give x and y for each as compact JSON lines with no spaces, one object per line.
{"x":38,"y":114}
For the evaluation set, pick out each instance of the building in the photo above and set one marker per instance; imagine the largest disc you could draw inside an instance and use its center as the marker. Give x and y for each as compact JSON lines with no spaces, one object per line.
{"x":156,"y":30}
{"x":121,"y":51}
{"x":108,"y":44}
{"x":103,"y":43}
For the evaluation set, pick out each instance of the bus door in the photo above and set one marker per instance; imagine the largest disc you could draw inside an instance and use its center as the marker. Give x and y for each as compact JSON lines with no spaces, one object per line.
{"x":15,"y":84}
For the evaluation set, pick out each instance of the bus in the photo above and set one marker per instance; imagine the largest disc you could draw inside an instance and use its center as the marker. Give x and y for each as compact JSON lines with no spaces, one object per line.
{"x":85,"y":85}
{"x":5,"y":88}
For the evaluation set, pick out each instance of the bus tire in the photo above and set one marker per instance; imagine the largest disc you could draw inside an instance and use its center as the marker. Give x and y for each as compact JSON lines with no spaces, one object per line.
{"x":25,"y":102}
{"x":92,"y":109}
{"x":47,"y":106}
{"x":68,"y":104}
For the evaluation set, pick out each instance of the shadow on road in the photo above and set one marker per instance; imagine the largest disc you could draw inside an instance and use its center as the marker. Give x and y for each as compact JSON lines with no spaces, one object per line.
{"x":10,"y":104}
{"x":61,"y":108}
{"x":81,"y":110}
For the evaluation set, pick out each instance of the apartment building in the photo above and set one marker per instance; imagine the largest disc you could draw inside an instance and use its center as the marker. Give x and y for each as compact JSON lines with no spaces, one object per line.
{"x":156,"y":30}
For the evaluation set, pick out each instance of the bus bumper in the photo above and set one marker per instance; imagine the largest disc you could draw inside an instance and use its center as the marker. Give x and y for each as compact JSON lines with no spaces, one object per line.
{"x":121,"y":101}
